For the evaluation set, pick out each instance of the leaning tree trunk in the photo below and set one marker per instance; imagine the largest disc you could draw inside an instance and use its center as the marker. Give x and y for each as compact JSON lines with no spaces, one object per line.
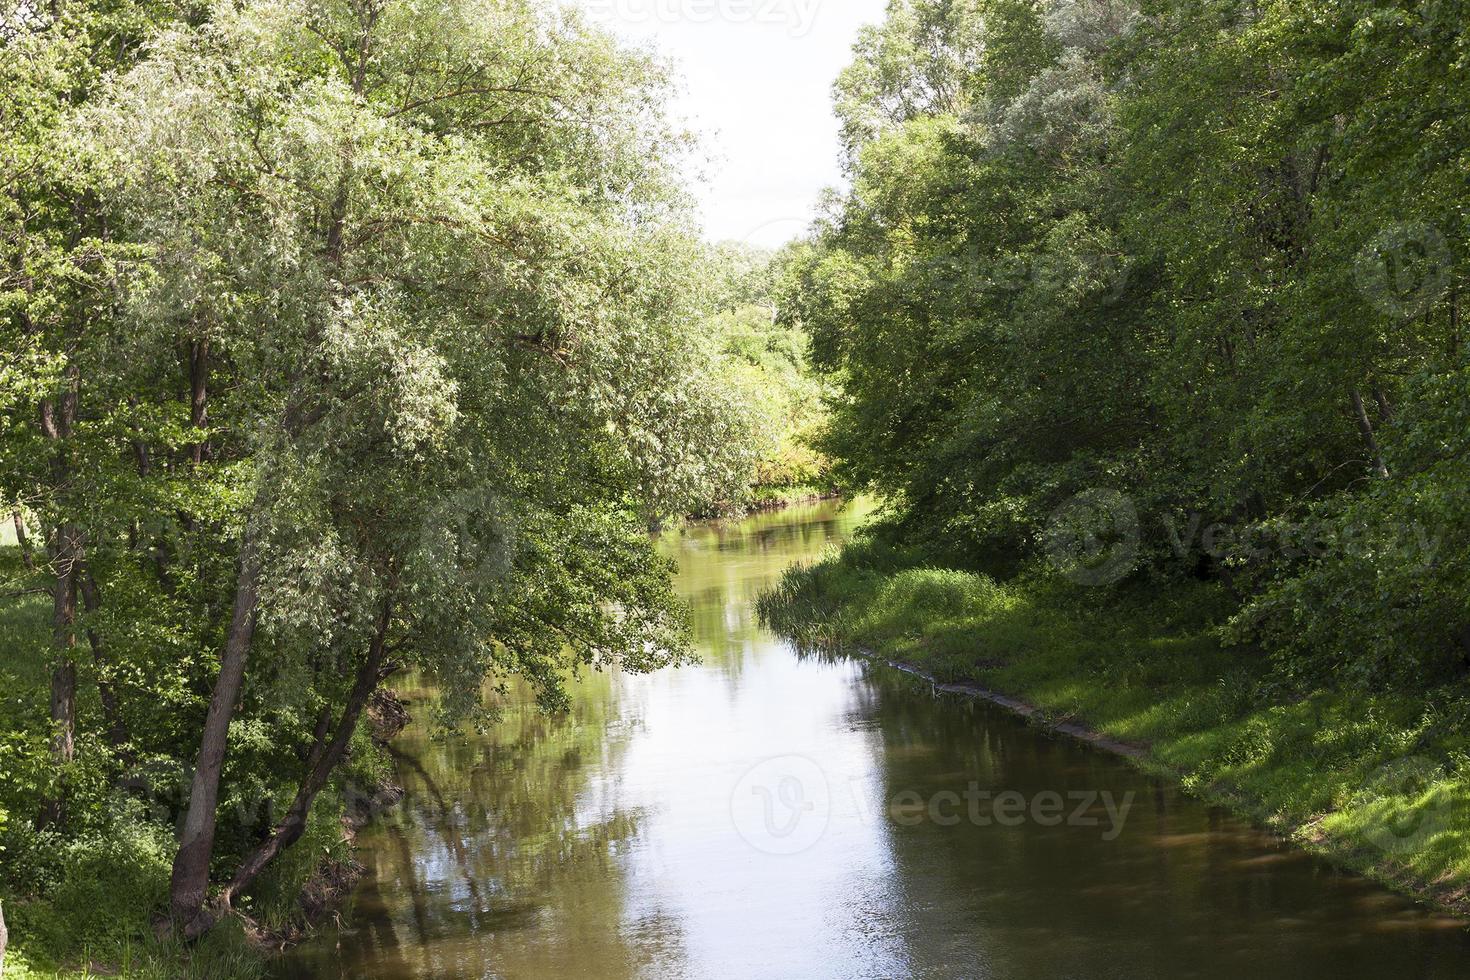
{"x":320,"y":764}
{"x":189,"y":884}
{"x":23,"y":541}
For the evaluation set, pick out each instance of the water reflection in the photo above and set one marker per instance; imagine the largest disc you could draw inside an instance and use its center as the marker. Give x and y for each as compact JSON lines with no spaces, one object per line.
{"x":1185,"y":890}
{"x":601,"y":843}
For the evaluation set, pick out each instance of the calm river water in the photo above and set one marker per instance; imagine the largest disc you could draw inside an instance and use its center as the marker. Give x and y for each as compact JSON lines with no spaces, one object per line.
{"x":767,"y":815}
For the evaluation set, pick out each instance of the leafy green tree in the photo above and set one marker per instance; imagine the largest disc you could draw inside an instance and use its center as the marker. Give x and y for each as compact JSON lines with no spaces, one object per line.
{"x":763,"y":364}
{"x":361,"y":333}
{"x":65,"y":269}
{"x":1207,"y":255}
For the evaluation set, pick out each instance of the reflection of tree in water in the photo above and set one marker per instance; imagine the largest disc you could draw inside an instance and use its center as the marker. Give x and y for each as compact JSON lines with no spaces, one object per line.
{"x":508,"y":854}
{"x":721,"y":594}
{"x":518,"y":854}
{"x":1183,"y":880}
{"x":506,"y":847}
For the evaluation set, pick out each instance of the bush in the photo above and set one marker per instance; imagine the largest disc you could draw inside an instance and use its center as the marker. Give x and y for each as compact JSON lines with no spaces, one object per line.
{"x":1386,"y":604}
{"x":111,"y":882}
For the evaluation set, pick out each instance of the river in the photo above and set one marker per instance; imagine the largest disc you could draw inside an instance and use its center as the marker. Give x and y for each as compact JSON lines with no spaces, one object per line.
{"x":768,"y":815}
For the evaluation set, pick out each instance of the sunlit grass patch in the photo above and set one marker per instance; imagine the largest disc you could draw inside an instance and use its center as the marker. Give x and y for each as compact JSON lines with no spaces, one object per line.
{"x":225,"y":954}
{"x":24,"y":625}
{"x":1420,"y":823}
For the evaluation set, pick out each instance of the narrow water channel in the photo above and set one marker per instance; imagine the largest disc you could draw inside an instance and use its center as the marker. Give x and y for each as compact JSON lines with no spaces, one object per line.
{"x":768,"y":815}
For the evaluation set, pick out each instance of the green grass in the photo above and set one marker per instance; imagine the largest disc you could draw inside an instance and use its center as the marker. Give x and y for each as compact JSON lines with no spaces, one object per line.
{"x":771,"y":496}
{"x":225,"y":954}
{"x":23,"y":623}
{"x":1375,"y":780}
{"x":96,"y":912}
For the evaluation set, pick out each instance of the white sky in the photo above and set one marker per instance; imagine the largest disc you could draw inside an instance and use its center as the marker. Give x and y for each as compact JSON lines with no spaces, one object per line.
{"x":758,"y":89}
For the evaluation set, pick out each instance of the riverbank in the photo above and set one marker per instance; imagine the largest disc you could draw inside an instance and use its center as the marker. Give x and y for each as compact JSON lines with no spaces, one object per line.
{"x":768,"y":499}
{"x":1373,"y":782}
{"x":81,"y":903}
{"x":336,"y":876}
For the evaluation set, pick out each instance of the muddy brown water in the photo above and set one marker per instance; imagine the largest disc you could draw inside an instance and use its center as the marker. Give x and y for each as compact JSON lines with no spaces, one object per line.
{"x":770,"y":815}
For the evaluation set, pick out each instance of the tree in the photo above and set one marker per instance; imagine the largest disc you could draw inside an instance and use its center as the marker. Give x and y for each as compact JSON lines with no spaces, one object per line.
{"x":63,"y":270}
{"x":1205,"y":255}
{"x":450,"y":285}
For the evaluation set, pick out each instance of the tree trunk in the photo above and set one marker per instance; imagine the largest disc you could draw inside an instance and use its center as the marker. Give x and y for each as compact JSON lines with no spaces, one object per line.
{"x":189,"y":884}
{"x":322,"y":761}
{"x":198,"y":412}
{"x":57,"y":417}
{"x":1455,"y":321}
{"x":1370,"y":441}
{"x":23,"y":541}
{"x":117,"y":728}
{"x":1385,"y":407}
{"x":198,"y":395}
{"x":64,"y":668}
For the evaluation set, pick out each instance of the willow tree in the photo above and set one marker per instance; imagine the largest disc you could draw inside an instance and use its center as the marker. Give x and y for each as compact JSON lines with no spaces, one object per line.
{"x":437,"y":246}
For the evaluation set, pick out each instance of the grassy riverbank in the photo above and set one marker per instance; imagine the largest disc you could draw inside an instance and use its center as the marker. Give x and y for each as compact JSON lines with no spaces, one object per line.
{"x":80,"y":905}
{"x":772,"y":498}
{"x":1378,"y":782}
{"x":80,"y":901}
{"x":767,"y":498}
